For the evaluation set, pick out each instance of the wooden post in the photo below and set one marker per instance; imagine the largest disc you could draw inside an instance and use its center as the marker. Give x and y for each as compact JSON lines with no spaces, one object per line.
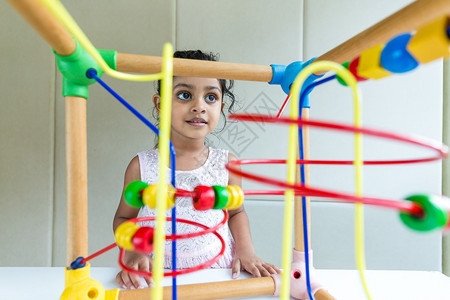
{"x":298,"y":209}
{"x":214,"y":290}
{"x":194,"y":68}
{"x":46,"y":25}
{"x":76,"y":176}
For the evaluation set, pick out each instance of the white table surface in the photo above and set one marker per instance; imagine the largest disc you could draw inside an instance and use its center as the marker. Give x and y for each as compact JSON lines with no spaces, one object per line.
{"x":48,"y":283}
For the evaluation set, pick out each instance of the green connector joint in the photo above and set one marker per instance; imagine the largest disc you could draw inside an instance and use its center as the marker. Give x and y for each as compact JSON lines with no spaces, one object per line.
{"x":110,"y":57}
{"x":434,"y":214}
{"x":73,"y":68}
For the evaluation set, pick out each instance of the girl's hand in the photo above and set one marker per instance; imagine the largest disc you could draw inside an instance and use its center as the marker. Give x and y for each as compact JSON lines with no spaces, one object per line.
{"x":248,"y":261}
{"x":137,"y":261}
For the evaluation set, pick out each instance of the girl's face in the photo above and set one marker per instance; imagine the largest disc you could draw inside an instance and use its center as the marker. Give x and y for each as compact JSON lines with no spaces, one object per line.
{"x":196,"y":106}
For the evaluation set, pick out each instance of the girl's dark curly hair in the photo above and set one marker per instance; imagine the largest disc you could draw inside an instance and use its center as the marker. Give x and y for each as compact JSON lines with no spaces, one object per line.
{"x":225,"y":85}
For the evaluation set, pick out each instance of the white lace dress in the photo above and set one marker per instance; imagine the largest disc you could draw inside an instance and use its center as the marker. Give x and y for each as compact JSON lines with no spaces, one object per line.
{"x":195,"y":251}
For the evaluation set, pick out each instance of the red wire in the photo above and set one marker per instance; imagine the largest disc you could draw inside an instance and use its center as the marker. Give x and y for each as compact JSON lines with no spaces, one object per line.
{"x":184,"y":193}
{"x":283,"y":106}
{"x":301,"y":190}
{"x":98,"y":253}
{"x":186,"y":235}
{"x":174,"y":237}
{"x":440,"y":148}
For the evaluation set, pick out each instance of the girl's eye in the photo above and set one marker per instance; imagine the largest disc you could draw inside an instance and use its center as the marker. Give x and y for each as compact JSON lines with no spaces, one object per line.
{"x":184,"y":96}
{"x":211,"y":98}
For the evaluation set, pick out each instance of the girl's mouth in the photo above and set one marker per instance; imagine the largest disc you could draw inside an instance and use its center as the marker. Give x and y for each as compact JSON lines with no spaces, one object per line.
{"x":197,"y":122}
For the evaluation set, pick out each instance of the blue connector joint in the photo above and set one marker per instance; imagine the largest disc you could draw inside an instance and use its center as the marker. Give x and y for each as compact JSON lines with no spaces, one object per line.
{"x":285,"y":76}
{"x":278,"y":74}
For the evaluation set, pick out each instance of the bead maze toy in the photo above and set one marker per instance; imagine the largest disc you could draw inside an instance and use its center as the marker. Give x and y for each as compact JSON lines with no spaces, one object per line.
{"x":418,"y":33}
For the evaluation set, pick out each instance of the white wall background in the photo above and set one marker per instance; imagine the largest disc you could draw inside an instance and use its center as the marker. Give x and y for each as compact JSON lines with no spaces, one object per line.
{"x":32,"y":177}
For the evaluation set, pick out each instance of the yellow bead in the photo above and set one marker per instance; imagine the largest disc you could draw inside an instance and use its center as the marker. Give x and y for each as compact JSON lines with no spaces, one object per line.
{"x":431,"y":41}
{"x":241,"y":197}
{"x":149,"y":196}
{"x":369,"y":64}
{"x":233,"y":197}
{"x":124,"y":235}
{"x":236,"y":196}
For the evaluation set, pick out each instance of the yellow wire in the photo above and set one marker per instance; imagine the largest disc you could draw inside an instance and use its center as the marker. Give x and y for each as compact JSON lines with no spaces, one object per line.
{"x":163,"y":147}
{"x":60,"y":12}
{"x":292,"y":156}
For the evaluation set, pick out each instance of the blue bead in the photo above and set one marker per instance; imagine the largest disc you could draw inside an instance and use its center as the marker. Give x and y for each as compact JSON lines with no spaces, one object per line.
{"x":395,"y":57}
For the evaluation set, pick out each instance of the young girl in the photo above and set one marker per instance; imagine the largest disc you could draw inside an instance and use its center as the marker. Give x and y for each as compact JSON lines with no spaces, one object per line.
{"x":196,"y":107}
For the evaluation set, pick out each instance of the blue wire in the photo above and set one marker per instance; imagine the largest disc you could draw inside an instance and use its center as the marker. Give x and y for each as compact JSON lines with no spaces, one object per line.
{"x":92,"y":73}
{"x":303,"y":95}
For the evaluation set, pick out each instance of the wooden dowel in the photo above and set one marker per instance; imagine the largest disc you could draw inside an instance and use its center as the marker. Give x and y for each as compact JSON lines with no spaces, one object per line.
{"x":46,"y":25}
{"x":298,"y":209}
{"x":212,"y":290}
{"x":323,"y":295}
{"x":407,"y":19}
{"x":195,"y":68}
{"x":76,"y":174}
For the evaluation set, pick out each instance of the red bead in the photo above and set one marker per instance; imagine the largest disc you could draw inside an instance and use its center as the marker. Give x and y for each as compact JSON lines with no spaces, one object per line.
{"x":353,"y":68}
{"x":143,"y":240}
{"x":204,"y":197}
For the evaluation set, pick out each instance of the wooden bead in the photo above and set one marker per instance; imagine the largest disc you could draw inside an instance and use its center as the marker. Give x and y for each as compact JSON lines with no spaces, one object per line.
{"x":431,"y":41}
{"x":395,"y":57}
{"x":236,"y":196}
{"x":221,"y":196}
{"x":204,"y":197}
{"x":149,"y":196}
{"x":143,"y":240}
{"x":434,"y":216}
{"x":353,"y":68}
{"x":124,"y":234}
{"x":369,"y":64}
{"x":133,"y":193}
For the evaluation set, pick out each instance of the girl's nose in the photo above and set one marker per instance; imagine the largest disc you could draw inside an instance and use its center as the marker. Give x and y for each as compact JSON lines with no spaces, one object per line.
{"x":198,"y":106}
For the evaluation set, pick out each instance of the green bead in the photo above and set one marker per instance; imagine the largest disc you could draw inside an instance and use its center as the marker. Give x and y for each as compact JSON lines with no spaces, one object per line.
{"x":221,"y":196}
{"x":133,"y":194}
{"x":434,"y":213}
{"x":339,"y":79}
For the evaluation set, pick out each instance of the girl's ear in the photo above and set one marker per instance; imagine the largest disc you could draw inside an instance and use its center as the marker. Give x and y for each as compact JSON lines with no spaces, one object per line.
{"x":156,"y":101}
{"x":223,"y":105}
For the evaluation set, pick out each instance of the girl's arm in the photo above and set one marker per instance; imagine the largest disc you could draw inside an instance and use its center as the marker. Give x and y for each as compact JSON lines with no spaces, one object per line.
{"x":126,"y":212}
{"x":245,"y":257}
